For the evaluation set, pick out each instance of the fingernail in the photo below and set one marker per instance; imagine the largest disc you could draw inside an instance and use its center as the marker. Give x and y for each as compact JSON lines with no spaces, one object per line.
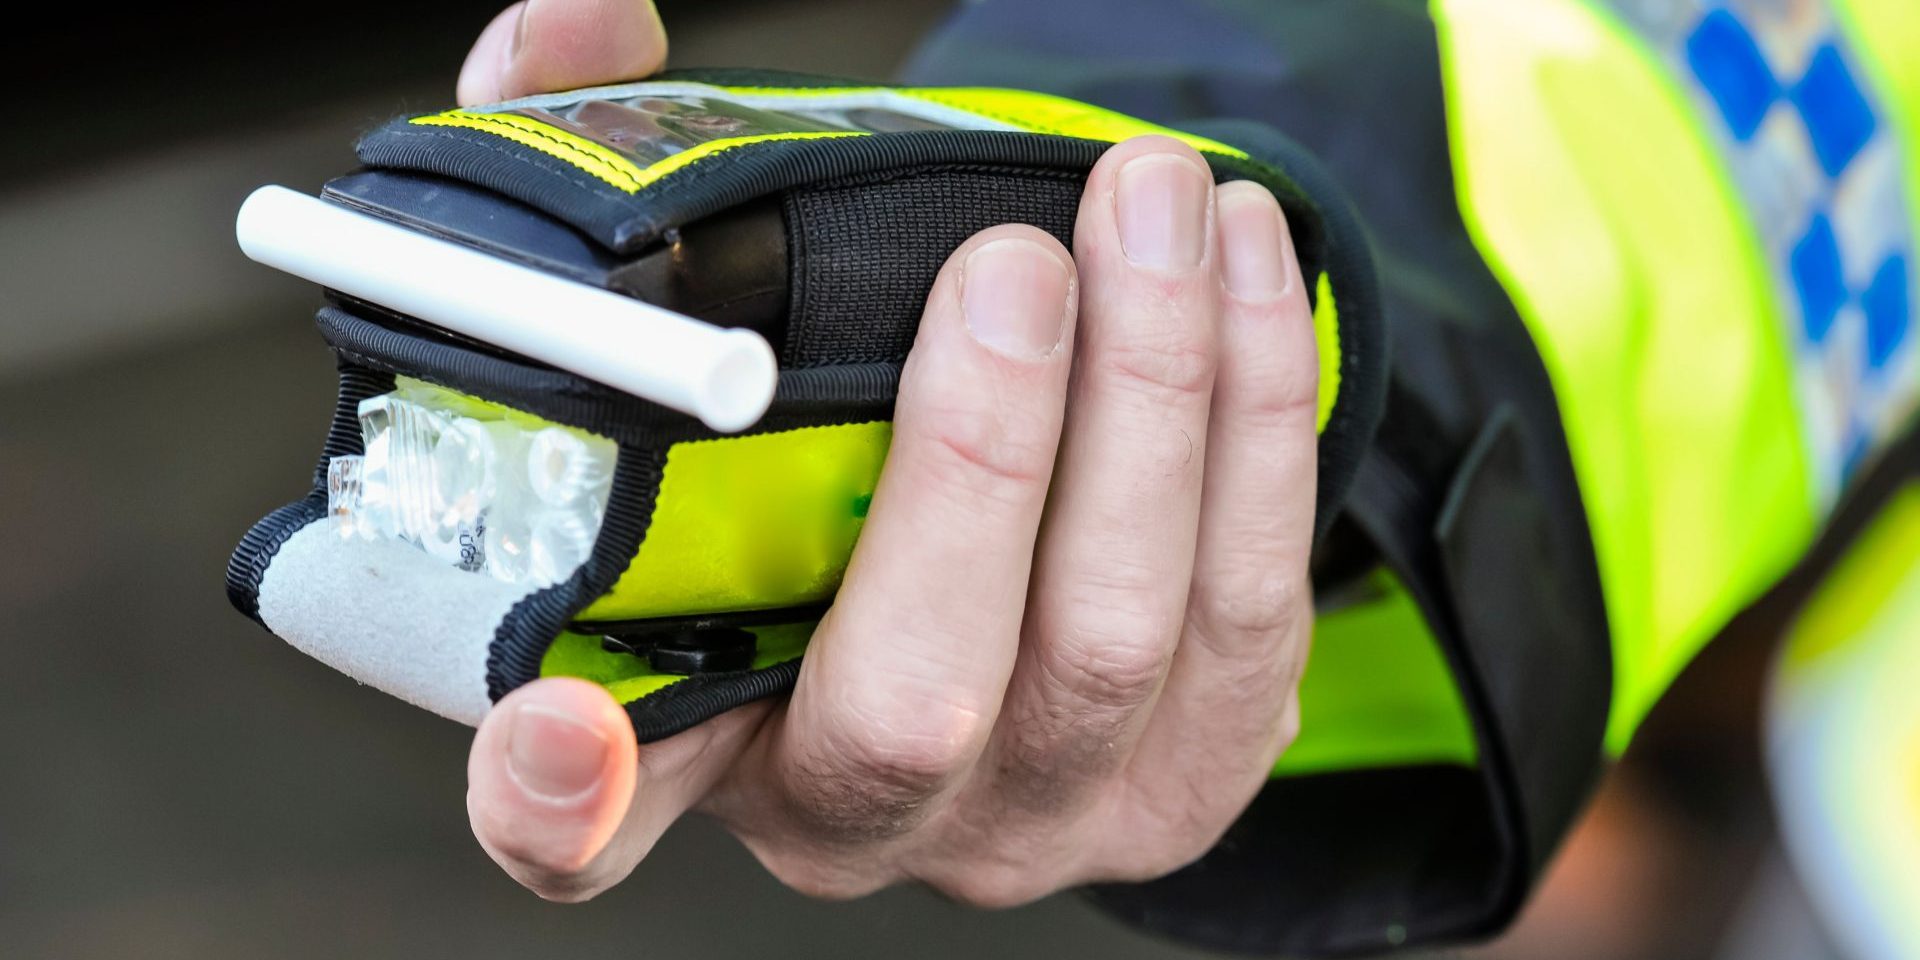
{"x":1253,"y":246}
{"x":554,"y":754}
{"x":1160,"y":201}
{"x":1014,"y":294}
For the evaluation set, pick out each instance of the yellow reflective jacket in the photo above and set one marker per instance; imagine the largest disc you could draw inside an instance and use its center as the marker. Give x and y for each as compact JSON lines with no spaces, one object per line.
{"x":1699,"y":217}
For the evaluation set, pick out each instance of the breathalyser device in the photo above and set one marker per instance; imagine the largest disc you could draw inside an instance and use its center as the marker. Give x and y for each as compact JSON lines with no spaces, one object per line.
{"x":617,"y":368}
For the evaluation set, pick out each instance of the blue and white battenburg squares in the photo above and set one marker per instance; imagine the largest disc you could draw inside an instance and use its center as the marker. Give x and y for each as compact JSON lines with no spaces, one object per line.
{"x":1817,"y":160}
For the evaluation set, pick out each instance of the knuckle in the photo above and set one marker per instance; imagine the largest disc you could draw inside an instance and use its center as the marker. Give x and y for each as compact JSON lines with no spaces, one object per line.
{"x":1285,"y":395}
{"x":1170,"y":365}
{"x":873,"y":780}
{"x":1048,"y":757}
{"x":995,"y":886}
{"x":1289,"y":730}
{"x":1274,"y":381}
{"x":1151,"y":861}
{"x":1116,"y":667}
{"x":1169,"y":829}
{"x":1252,"y":607}
{"x":988,"y":457}
{"x":823,"y":879}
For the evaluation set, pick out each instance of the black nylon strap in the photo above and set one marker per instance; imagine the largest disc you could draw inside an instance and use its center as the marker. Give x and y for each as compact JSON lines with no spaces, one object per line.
{"x":248,"y":565}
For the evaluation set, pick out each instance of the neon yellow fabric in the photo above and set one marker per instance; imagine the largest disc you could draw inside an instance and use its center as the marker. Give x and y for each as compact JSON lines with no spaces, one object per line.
{"x":1045,"y":113}
{"x":1326,"y":335}
{"x":1023,"y":109}
{"x":1377,"y":693}
{"x":467,"y":405}
{"x":753,"y":522}
{"x":1589,"y":185}
{"x":629,"y":677}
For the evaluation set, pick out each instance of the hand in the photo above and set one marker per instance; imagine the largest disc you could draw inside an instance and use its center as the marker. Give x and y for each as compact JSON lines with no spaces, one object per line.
{"x":1068,"y":645}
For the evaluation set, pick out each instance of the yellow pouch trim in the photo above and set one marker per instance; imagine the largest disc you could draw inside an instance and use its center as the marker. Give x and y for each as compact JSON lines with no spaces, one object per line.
{"x":1589,"y":184}
{"x":602,"y":162}
{"x":1045,"y":113}
{"x":1326,"y":334}
{"x":592,"y":158}
{"x":1026,"y":110}
{"x":751,"y":523}
{"x":701,"y":151}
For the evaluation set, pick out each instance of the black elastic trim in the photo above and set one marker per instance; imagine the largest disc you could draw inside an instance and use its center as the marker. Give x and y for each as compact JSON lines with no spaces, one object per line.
{"x":529,"y":628}
{"x":1334,"y":239}
{"x":697,"y":699}
{"x":248,"y":565}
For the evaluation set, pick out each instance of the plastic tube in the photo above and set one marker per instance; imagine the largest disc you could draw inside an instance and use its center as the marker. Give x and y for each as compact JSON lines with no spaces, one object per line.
{"x":724,"y":376}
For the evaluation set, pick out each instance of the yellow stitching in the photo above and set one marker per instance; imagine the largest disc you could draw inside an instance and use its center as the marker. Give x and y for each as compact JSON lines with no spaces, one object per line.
{"x":661,"y":168}
{"x":588,"y":156}
{"x":957,"y":98}
{"x":599,"y":161}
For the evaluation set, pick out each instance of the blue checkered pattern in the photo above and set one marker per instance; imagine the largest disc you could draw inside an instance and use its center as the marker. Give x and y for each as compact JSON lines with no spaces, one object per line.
{"x":1820,"y":170}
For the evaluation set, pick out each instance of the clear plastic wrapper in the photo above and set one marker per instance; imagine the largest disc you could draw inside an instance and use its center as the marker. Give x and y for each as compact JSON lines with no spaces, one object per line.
{"x":480,"y":487}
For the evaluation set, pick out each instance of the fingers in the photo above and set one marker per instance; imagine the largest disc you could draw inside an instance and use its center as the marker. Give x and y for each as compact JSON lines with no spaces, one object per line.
{"x":540,"y":46}
{"x":559,"y":796}
{"x":1223,"y":716}
{"x":1112,"y":572}
{"x":904,"y":677}
{"x":994,"y":705}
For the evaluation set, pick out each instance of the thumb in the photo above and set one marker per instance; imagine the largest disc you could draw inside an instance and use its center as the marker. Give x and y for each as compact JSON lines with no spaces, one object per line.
{"x":540,"y":46}
{"x":562,"y":798}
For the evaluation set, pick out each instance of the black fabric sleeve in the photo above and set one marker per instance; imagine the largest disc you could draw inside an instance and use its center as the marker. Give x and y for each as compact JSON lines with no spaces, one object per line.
{"x":1467,"y":492}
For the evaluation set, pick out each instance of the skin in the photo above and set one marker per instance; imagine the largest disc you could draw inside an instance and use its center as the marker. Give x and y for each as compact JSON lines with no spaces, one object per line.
{"x":1069,"y":644}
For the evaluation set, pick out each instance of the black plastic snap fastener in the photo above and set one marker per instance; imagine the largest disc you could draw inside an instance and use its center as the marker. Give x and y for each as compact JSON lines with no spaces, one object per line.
{"x":705,"y":650}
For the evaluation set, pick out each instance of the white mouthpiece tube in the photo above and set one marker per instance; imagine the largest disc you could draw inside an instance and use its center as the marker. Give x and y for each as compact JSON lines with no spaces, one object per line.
{"x":723,"y":376}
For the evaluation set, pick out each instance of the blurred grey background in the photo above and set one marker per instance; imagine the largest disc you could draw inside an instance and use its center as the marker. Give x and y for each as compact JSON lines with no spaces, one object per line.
{"x":179,"y":784}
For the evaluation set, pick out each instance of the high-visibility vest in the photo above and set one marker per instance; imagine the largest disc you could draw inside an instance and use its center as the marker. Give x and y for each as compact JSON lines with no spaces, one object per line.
{"x":1702,"y":216}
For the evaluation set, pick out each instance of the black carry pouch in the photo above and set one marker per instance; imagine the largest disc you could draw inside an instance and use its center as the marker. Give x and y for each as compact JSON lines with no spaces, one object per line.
{"x":814,"y":212}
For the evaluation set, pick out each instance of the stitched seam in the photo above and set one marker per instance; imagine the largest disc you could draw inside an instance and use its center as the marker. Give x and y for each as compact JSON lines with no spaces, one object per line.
{"x":593,"y":184}
{"x":571,"y":150}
